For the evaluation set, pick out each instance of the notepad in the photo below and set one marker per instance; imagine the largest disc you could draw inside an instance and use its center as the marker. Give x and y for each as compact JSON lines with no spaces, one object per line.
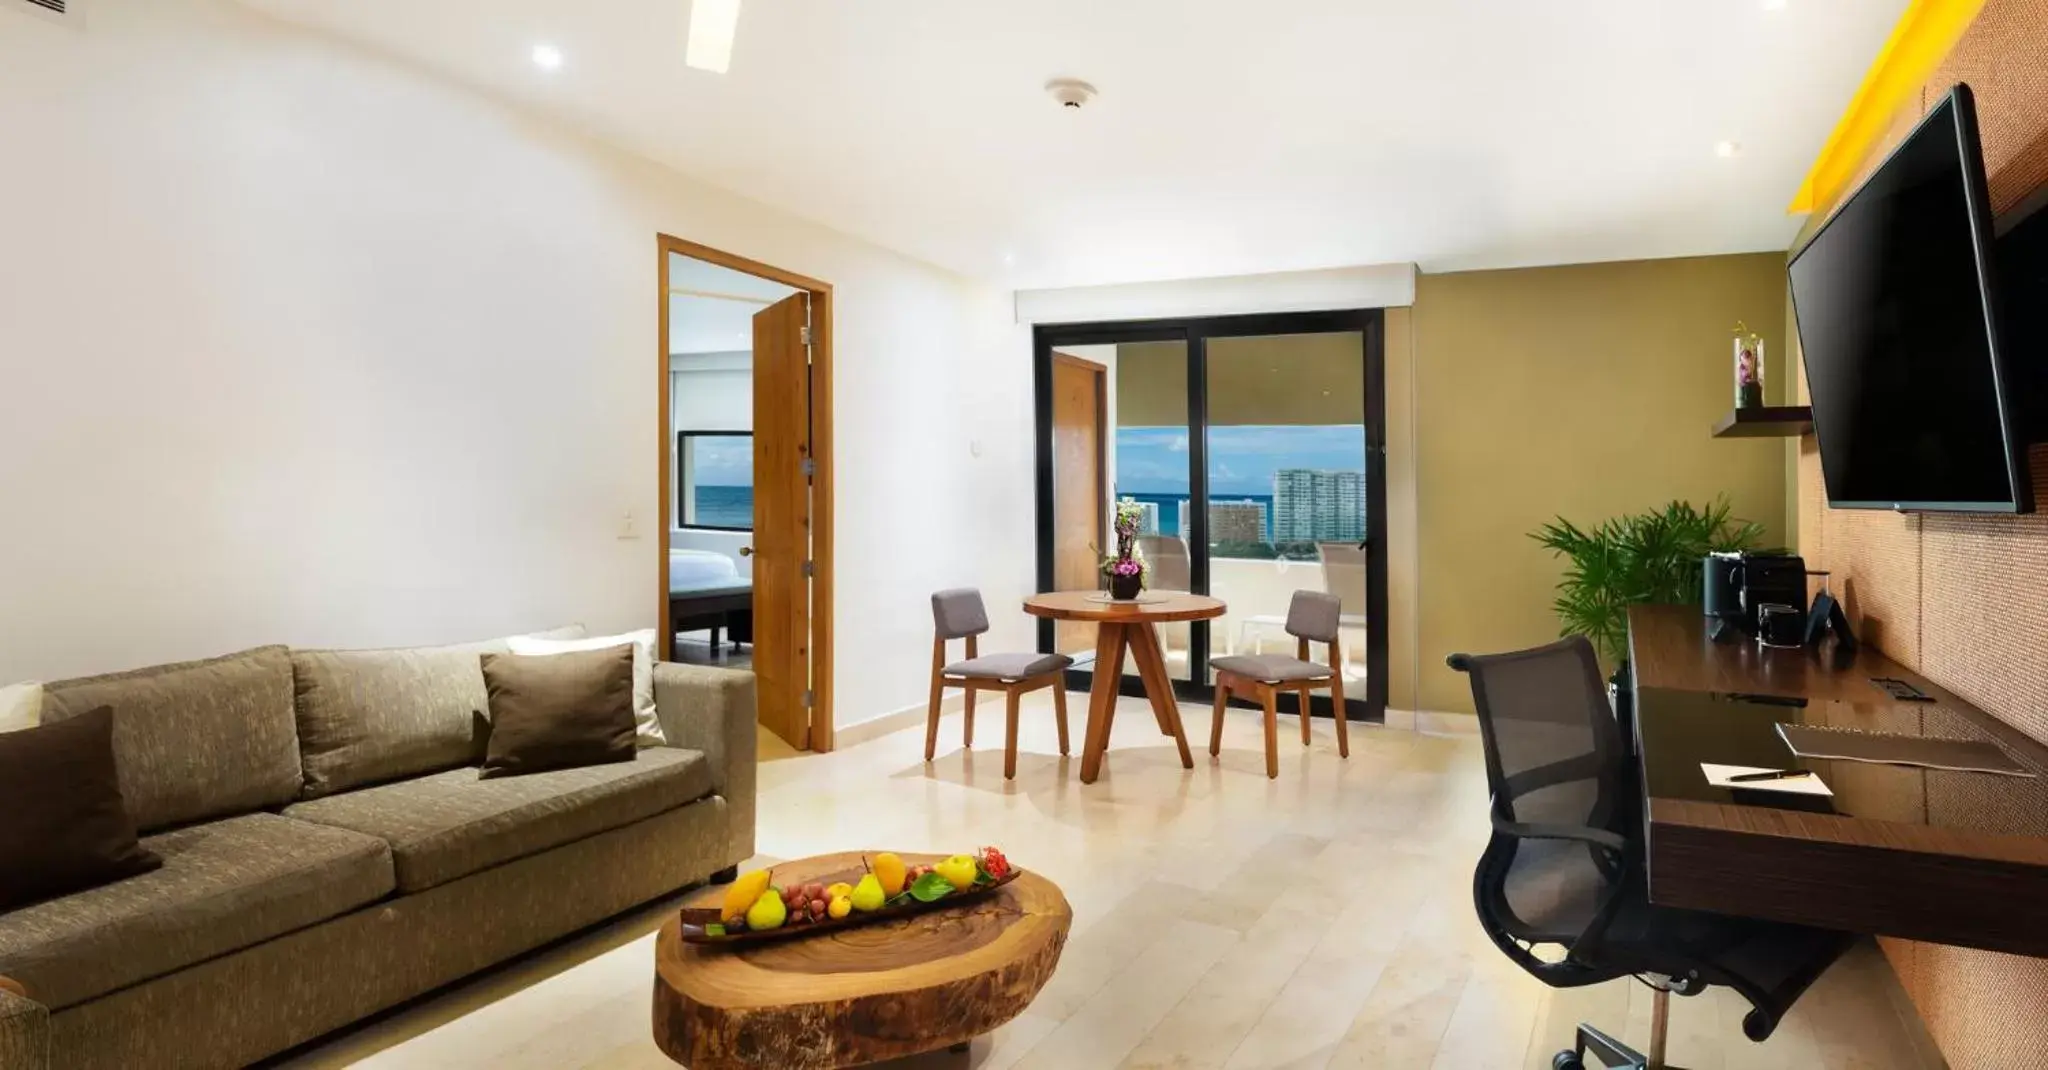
{"x":1888,"y":748}
{"x":1718,"y":776}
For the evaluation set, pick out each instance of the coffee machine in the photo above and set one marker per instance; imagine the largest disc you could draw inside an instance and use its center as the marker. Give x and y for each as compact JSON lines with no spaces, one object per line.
{"x":1738,"y":584}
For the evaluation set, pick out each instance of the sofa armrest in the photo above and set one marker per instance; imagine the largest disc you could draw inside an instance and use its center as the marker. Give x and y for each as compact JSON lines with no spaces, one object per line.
{"x":24,"y":1031}
{"x":712,"y":710}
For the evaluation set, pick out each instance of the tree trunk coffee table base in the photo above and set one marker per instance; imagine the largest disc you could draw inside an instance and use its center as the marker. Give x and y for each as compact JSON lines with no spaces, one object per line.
{"x":915,"y":984}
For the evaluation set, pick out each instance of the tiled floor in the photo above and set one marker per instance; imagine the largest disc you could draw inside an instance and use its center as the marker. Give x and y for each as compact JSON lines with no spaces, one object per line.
{"x":1220,"y":920}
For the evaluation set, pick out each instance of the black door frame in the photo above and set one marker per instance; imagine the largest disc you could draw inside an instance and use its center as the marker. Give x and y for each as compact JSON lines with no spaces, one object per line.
{"x":1196,"y":332}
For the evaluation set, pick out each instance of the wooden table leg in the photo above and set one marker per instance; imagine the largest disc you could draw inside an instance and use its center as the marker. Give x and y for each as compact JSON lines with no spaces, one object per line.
{"x":1159,"y":687}
{"x":1109,"y":670}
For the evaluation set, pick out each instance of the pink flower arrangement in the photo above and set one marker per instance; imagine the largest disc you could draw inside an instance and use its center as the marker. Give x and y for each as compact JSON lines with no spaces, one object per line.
{"x":1126,"y":565}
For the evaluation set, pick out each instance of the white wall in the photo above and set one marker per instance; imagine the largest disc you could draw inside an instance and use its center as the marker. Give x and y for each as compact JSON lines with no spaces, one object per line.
{"x":300,"y":345}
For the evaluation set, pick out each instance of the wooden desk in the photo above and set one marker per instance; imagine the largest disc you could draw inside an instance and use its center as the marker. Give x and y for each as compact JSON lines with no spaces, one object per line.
{"x":1934,"y":855}
{"x":1122,"y":626}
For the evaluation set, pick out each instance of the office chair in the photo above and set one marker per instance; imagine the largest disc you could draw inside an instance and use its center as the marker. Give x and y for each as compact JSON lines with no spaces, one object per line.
{"x":1564,"y":867}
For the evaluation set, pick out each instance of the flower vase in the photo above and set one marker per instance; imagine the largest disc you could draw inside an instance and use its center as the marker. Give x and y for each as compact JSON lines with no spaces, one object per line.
{"x":1749,"y":372}
{"x":1125,"y":588}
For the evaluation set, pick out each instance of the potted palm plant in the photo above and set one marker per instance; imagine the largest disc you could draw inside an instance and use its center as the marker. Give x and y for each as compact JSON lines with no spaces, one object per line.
{"x":1651,"y":557}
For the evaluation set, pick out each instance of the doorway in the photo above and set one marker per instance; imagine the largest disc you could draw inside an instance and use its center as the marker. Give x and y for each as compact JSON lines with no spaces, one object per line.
{"x":746,"y":480}
{"x":1255,"y":449}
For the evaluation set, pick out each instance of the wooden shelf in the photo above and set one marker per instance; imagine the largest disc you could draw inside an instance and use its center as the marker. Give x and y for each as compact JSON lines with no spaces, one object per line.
{"x":1770,"y":421}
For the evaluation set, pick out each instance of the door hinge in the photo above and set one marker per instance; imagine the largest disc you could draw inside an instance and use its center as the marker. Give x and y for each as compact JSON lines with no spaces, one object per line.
{"x":810,"y":569}
{"x":804,"y":335}
{"x":810,"y":698}
{"x":810,"y":467}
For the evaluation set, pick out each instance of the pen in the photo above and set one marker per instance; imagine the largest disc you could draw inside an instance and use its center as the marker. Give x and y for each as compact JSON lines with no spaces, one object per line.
{"x":1783,"y":774}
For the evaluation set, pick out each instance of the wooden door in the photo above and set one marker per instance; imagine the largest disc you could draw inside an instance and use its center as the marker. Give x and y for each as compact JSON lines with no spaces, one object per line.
{"x":1080,"y":496}
{"x":782,"y":518}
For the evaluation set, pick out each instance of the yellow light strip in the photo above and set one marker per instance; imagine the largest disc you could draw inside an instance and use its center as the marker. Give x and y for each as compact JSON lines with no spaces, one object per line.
{"x":1918,"y":44}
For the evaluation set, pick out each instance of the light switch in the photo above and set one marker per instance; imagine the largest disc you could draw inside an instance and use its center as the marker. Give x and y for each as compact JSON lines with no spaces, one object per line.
{"x":629,"y":525}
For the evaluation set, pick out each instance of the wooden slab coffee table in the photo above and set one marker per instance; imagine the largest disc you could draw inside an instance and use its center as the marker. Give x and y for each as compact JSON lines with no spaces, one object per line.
{"x":859,"y":995}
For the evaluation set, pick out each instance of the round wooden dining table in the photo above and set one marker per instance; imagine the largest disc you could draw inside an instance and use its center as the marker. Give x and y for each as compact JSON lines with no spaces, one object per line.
{"x":1126,"y":626}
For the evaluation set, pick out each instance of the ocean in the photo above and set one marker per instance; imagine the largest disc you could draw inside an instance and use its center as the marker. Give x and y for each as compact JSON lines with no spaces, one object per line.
{"x":1169,"y":508}
{"x":724,"y":507}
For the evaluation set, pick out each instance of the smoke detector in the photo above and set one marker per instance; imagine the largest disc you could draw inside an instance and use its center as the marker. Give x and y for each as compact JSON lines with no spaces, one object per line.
{"x":1070,"y":92}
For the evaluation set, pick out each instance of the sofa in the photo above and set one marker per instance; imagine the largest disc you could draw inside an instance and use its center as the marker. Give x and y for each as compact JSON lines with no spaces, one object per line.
{"x":329,"y":850}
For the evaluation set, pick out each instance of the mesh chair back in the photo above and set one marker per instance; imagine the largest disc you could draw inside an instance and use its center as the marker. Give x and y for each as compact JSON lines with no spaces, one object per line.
{"x":1553,"y":757}
{"x":958,"y":613}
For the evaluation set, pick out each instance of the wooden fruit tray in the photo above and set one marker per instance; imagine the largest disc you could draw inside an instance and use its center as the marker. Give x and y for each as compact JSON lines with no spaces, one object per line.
{"x":697,"y":920}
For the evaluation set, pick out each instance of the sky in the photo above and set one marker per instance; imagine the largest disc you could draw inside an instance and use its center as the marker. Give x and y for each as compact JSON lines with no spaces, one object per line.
{"x":723,"y":460}
{"x":1242,"y":457}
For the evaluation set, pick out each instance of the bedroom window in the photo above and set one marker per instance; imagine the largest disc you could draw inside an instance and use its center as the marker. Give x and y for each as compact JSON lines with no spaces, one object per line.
{"x":715,"y":480}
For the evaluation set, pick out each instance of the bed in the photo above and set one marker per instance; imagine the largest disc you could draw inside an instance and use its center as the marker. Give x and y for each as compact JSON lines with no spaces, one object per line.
{"x":706,"y":591}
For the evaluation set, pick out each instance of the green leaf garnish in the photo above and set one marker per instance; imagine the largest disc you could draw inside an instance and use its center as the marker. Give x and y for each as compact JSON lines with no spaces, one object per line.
{"x":931,"y":888}
{"x":714,"y":929}
{"x":982,"y":879}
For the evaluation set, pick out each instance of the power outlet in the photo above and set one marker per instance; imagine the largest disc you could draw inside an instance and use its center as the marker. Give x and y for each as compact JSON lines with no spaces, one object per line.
{"x":629,"y":525}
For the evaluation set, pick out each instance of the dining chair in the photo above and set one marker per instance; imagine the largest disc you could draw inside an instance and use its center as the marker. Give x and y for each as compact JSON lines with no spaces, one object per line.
{"x":1312,"y":616}
{"x":959,"y":614}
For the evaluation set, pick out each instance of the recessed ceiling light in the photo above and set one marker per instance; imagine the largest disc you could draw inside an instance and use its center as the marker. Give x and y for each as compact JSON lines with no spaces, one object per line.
{"x":547,"y":57}
{"x":1009,"y":259}
{"x":712,"y":26}
{"x":1728,"y":150}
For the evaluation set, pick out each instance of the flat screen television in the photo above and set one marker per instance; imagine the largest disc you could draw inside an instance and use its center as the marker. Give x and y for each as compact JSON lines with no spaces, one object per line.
{"x":1898,"y":322}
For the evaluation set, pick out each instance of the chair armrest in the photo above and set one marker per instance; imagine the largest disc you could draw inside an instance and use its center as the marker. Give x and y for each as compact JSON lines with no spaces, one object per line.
{"x":1582,"y":833}
{"x":24,"y":1031}
{"x":712,"y":710}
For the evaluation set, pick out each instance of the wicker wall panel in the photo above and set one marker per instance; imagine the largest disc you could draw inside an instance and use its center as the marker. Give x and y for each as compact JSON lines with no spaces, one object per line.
{"x":1978,"y":586}
{"x":2004,"y":58}
{"x":1875,"y":558}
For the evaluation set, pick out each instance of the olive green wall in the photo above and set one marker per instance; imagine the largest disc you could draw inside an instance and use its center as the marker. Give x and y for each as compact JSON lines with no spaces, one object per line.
{"x":1586,"y":391}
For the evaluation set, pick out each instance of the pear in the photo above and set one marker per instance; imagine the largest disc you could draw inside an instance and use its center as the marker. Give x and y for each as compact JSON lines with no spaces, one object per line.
{"x":889,"y":869}
{"x":867,"y":895}
{"x":768,"y":912}
{"x":743,"y":893}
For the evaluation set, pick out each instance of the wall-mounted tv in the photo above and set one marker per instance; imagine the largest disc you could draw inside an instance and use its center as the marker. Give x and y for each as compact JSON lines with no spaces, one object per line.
{"x":1898,"y":322}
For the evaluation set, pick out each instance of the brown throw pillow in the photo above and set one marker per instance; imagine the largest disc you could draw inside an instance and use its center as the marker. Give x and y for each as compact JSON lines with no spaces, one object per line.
{"x":558,"y":711}
{"x":64,"y":827}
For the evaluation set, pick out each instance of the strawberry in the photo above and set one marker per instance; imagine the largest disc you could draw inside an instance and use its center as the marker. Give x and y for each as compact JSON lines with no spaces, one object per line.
{"x":993,"y":863}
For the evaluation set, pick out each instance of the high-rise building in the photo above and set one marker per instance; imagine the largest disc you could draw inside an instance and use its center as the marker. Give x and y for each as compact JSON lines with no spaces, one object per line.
{"x":1242,"y":521}
{"x":1148,"y":518}
{"x":1318,"y":506}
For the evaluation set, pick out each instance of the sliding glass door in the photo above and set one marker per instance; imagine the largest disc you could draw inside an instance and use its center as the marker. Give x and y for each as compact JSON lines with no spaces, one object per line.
{"x":1252,"y":446}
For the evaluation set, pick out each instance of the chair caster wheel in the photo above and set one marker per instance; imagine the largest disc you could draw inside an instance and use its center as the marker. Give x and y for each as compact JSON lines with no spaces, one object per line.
{"x":1567,"y":1060}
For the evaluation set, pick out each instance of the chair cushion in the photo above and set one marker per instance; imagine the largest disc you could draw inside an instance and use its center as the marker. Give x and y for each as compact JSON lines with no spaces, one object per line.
{"x":449,"y":825}
{"x":1271,"y":668}
{"x":198,"y":739}
{"x":1008,"y":666}
{"x":366,"y":716}
{"x":224,"y":886}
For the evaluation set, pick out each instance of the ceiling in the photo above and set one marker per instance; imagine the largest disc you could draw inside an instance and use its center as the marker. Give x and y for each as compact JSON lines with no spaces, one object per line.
{"x":1230,"y":137}
{"x":711,"y":307}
